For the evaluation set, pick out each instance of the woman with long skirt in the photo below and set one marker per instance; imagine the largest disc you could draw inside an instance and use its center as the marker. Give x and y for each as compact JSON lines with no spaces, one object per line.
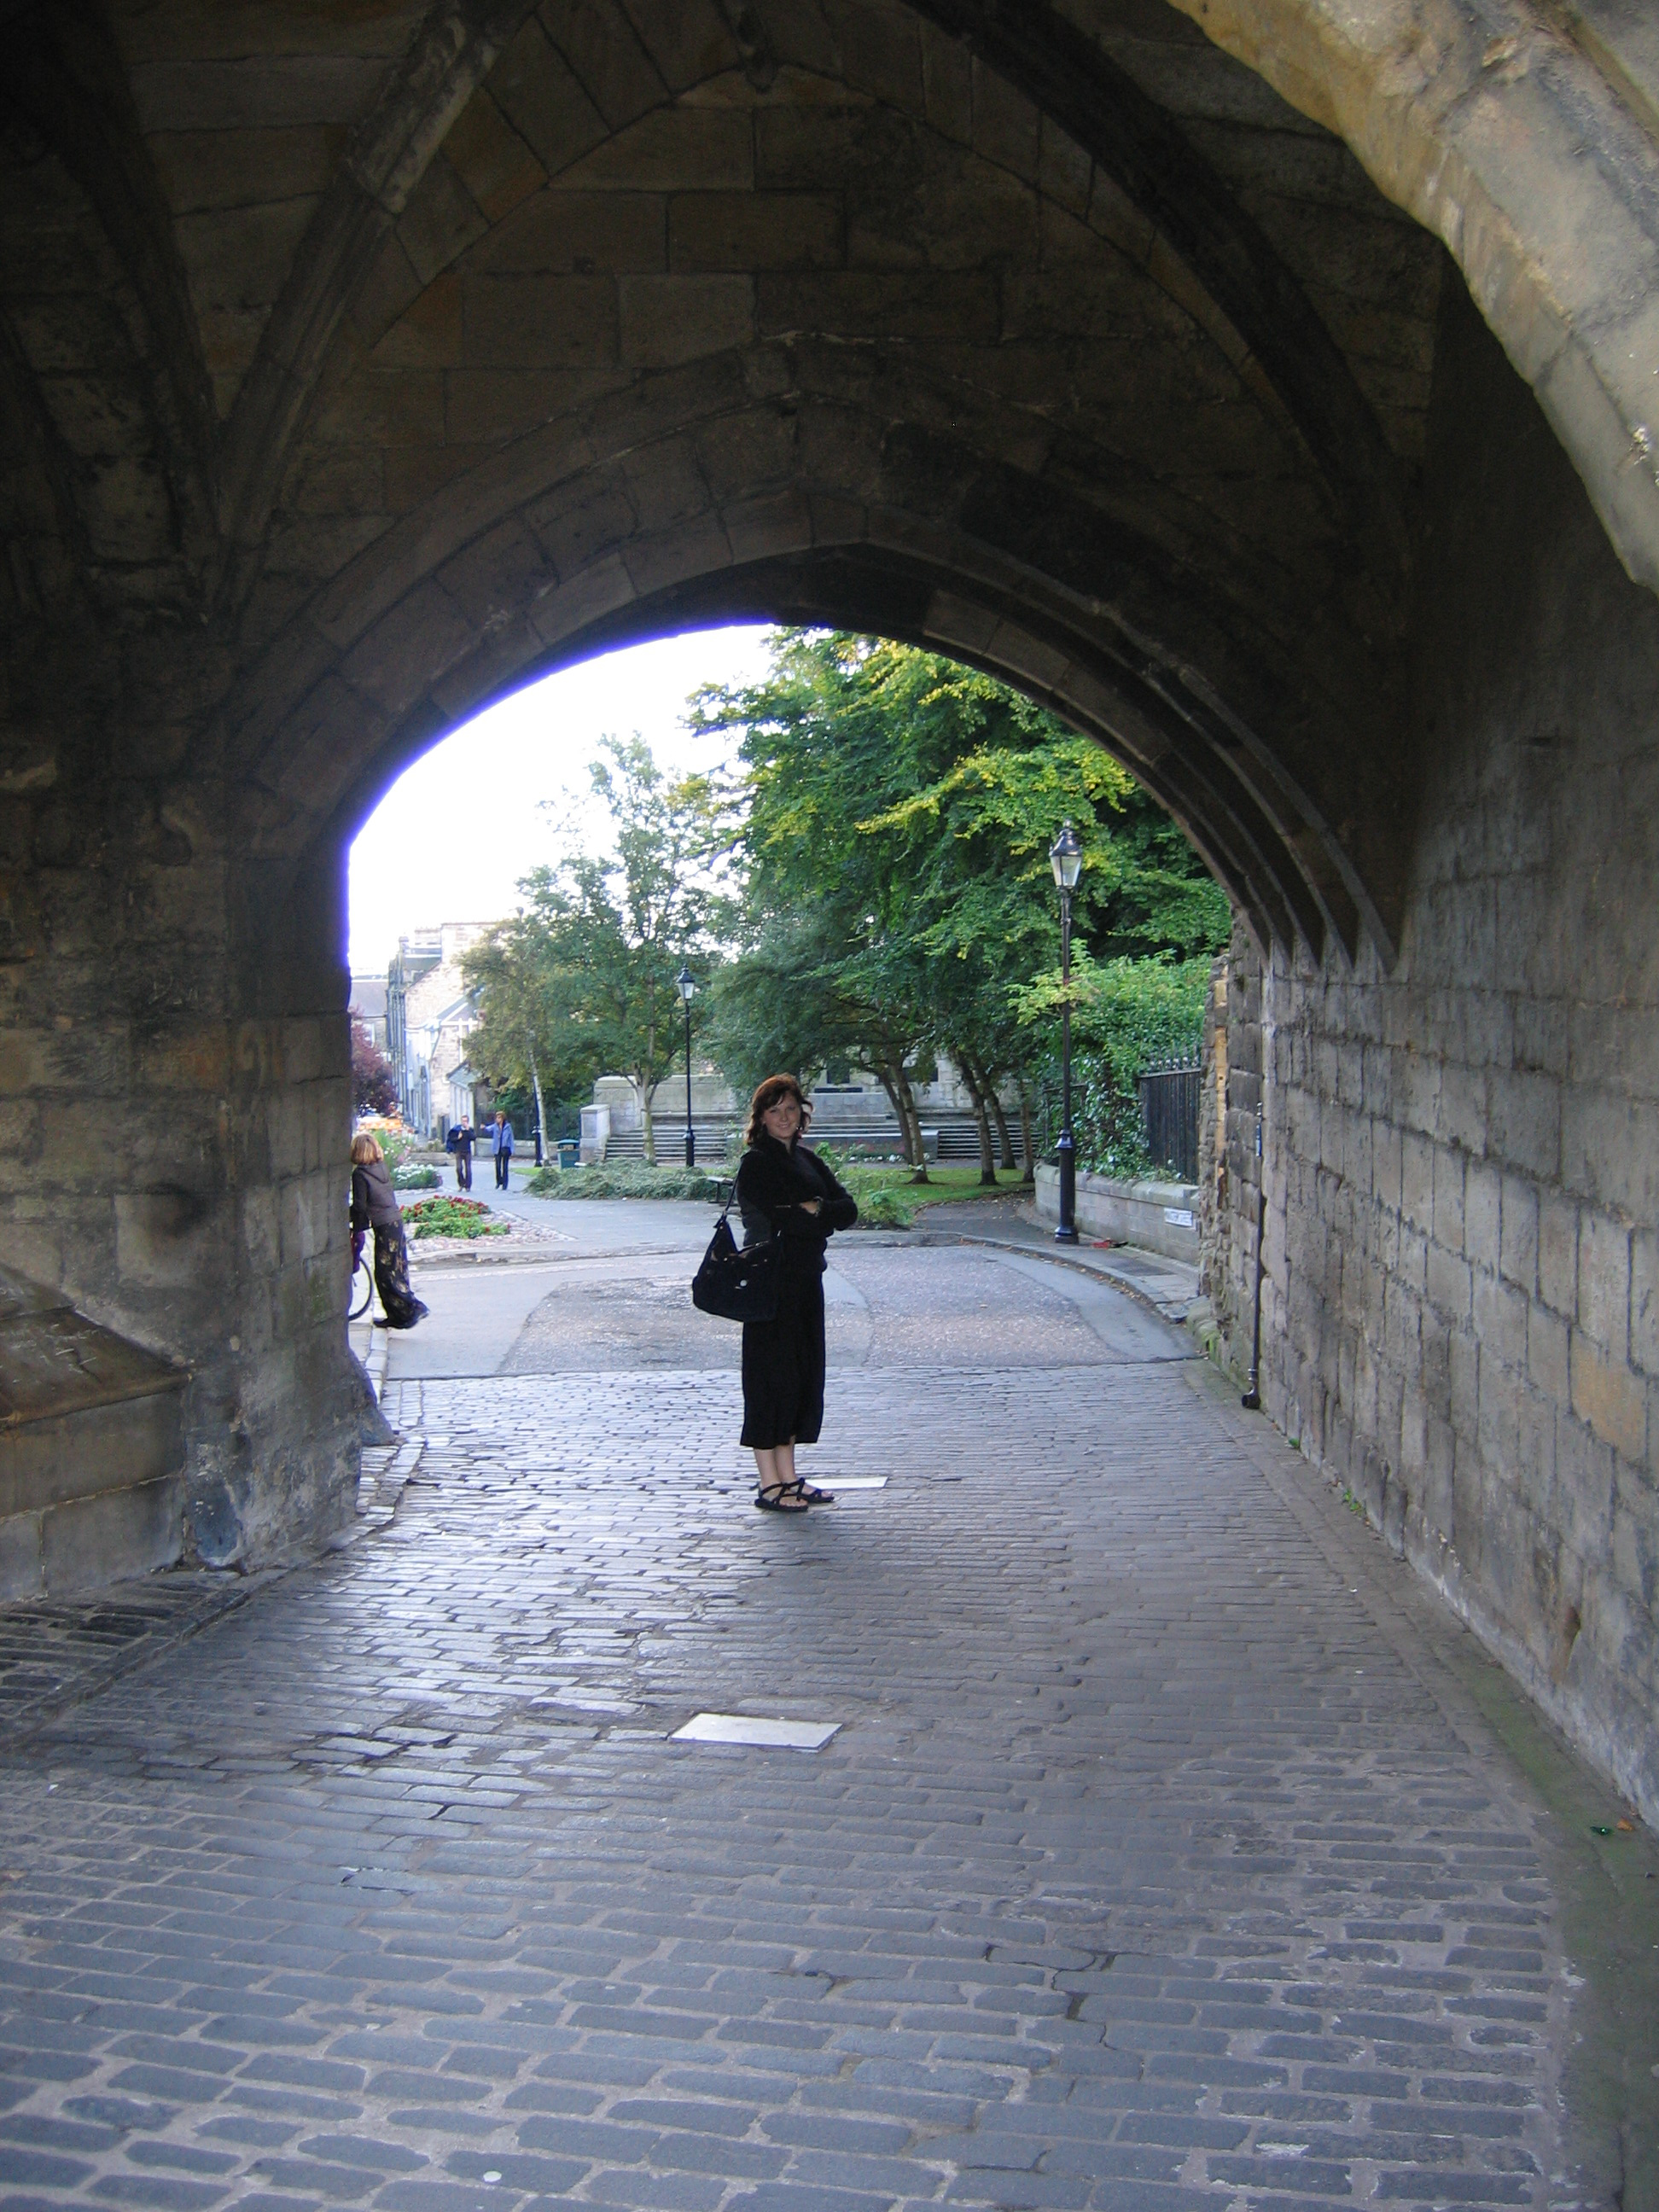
{"x":375,"y":1205}
{"x":783,"y":1188}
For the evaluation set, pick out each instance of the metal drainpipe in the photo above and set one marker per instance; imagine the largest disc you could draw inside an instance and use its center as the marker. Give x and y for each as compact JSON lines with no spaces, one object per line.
{"x":1251,"y":1399}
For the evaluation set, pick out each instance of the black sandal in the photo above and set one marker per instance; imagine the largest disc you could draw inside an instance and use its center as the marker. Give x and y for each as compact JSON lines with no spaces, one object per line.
{"x":779,"y":1498}
{"x":808,"y":1496}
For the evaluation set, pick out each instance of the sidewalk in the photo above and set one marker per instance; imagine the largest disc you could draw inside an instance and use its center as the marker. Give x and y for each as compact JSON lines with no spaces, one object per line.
{"x":588,"y":1228}
{"x":1169,"y":1286}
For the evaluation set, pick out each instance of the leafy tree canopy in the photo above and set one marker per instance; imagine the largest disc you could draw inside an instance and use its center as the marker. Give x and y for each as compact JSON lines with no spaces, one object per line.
{"x":882,"y":878}
{"x":582,"y":982}
{"x":900,"y":812}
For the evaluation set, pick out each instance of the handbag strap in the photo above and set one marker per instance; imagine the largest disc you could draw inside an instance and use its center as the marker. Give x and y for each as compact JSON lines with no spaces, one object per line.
{"x":777,"y":1233}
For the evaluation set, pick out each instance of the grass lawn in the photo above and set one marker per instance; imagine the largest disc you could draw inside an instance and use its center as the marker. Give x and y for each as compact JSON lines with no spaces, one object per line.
{"x":889,"y":1200}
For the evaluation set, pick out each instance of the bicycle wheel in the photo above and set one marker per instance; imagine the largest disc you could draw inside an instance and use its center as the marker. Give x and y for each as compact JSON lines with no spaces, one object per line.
{"x":362,"y":1290}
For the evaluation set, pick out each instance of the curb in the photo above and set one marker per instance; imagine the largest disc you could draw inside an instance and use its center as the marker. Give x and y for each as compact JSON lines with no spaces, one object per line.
{"x":1176,"y":1311}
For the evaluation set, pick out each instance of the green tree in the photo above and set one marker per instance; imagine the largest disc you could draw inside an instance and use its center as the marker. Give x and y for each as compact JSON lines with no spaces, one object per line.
{"x":901,"y":808}
{"x":516,"y":1043}
{"x":583,"y":981}
{"x":827,"y":918}
{"x":1125,"y":1013}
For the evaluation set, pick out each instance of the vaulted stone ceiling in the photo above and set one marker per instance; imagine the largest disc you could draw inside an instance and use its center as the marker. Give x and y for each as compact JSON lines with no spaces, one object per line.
{"x":358,"y":358}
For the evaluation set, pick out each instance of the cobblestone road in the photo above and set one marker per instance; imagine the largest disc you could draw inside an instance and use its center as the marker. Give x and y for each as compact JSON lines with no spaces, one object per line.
{"x":1156,"y":1864}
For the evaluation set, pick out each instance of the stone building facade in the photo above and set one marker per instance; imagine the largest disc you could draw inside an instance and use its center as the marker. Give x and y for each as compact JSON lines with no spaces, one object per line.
{"x":430,"y":1015}
{"x":856,"y":1112}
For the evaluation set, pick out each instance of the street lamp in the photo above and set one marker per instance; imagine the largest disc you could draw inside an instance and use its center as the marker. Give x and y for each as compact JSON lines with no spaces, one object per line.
{"x":1065,"y":858}
{"x":688,"y":991}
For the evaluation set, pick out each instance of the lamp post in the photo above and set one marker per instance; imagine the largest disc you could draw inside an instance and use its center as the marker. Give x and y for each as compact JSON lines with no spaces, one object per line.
{"x":1065,"y":858}
{"x":688,"y":991}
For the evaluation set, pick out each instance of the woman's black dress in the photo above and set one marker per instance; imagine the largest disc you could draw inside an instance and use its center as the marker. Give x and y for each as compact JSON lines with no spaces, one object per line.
{"x":783,"y":1359}
{"x":375,"y":1205}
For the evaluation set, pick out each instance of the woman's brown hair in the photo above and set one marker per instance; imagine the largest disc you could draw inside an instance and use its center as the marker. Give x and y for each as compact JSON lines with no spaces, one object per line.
{"x":364,"y":1149}
{"x":774,"y":1088}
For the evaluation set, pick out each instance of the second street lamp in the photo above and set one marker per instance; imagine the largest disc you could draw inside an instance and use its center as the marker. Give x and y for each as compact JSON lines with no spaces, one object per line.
{"x":688,"y":991}
{"x":1065,"y":858}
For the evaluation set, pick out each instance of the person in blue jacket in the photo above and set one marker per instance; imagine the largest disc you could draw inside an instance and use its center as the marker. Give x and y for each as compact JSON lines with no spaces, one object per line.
{"x":501,"y":1143}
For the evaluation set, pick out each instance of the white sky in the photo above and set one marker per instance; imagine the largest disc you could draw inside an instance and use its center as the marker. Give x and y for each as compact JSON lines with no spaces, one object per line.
{"x":453,"y":836}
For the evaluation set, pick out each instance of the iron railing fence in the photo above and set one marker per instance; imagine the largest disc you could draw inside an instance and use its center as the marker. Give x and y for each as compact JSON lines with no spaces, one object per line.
{"x":1169,"y":1113}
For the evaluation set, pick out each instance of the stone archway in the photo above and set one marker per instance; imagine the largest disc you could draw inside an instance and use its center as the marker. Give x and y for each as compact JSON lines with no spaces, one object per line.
{"x":353,"y":371}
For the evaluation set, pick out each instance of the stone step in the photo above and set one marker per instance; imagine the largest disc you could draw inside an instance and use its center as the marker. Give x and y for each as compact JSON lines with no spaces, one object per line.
{"x":92,"y":1453}
{"x":947,"y":1139}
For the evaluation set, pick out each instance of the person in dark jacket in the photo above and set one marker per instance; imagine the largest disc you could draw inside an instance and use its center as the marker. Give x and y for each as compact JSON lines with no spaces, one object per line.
{"x":784,"y":1189}
{"x":458,"y":1144}
{"x":375,"y":1205}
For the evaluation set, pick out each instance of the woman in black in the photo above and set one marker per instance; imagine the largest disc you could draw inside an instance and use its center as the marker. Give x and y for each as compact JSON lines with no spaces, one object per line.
{"x":783,"y":1188}
{"x":375,"y":1205}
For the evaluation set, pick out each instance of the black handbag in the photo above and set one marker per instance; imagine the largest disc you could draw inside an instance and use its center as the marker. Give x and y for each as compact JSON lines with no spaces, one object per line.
{"x":737,"y":1284}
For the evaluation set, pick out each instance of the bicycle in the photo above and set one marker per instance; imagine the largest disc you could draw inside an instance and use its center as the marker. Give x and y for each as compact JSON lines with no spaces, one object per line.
{"x":362,"y":1295}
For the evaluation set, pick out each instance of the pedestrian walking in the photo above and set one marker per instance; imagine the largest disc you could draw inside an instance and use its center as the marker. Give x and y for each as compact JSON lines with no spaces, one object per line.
{"x":459,"y":1143}
{"x":501,"y":1143}
{"x":784,"y":1189}
{"x":375,"y":1205}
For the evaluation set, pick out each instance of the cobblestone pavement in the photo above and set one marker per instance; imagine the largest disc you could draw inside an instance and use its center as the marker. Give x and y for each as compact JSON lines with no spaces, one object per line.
{"x":55,"y":1651}
{"x":1157,"y":1864}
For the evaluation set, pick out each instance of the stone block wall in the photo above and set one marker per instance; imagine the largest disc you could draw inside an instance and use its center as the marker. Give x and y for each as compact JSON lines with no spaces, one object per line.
{"x":1461,"y":1308}
{"x":175,"y":1076}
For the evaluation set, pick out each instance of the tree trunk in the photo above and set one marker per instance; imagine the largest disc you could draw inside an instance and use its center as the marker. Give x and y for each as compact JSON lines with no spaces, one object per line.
{"x":988,"y":1164}
{"x":912,"y":1120}
{"x":535,"y":1086}
{"x":1006,"y":1143}
{"x":885,"y":1076}
{"x":1025,"y":1132}
{"x":642,"y":1091}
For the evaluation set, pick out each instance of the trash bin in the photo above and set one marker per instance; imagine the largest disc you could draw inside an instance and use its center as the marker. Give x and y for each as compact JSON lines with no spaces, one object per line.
{"x":569,"y":1152}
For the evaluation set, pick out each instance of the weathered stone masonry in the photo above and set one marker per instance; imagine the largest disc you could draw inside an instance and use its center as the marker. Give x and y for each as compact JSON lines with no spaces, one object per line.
{"x":178,"y":1082}
{"x":1461,"y":1314}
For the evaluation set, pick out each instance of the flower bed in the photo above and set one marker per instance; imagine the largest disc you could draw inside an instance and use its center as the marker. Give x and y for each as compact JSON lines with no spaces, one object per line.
{"x":453,"y":1216}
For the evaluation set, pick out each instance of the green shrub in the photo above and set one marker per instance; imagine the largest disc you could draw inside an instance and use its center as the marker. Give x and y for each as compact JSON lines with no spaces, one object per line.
{"x":453,"y":1216}
{"x":884,"y":1209}
{"x":1128,"y":1014}
{"x":628,"y":1179}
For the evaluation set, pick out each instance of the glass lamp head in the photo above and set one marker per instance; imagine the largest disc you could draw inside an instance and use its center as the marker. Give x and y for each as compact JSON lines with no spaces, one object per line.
{"x":687,"y":987}
{"x":1065,"y":858}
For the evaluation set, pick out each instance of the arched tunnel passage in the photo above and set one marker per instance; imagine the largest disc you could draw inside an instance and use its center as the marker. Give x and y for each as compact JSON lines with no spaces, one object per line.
{"x":935,"y":798}
{"x":1182,"y":402}
{"x":1173,"y":738}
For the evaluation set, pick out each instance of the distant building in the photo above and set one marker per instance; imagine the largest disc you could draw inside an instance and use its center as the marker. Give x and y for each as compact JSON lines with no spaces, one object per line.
{"x":429,"y":1015}
{"x":855,"y":1114}
{"x":368,"y":1006}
